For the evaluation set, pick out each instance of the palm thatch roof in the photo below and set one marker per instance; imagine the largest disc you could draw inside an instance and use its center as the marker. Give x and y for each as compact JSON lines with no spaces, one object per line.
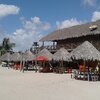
{"x":28,"y":56}
{"x":16,"y":57}
{"x":91,"y":28}
{"x":61,"y":54}
{"x":85,"y":51}
{"x":6,"y":57}
{"x":45,"y":53}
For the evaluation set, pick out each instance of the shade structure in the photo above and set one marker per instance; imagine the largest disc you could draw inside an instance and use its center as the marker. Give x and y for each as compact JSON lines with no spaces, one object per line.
{"x":45,"y":53}
{"x":41,"y":58}
{"x":61,"y":54}
{"x":85,"y":51}
{"x":73,"y":32}
{"x":6,"y":57}
{"x":16,"y":57}
{"x":28,"y":56}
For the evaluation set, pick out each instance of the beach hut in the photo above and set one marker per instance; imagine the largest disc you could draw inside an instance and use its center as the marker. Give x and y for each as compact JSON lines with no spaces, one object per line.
{"x":46,"y":57}
{"x":61,"y":56}
{"x":27,"y":59}
{"x":45,"y":53}
{"x":17,"y":59}
{"x":6,"y":57}
{"x":87,"y":53}
{"x":28,"y":56}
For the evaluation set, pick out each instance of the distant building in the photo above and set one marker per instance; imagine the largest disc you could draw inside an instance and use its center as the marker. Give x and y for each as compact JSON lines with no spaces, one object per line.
{"x":73,"y":36}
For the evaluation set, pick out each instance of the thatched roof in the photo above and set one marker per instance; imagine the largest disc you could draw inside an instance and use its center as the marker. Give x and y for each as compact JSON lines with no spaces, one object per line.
{"x":45,"y":53}
{"x":85,"y":51}
{"x":16,"y":57}
{"x":61,"y":54}
{"x":74,"y":31}
{"x":6,"y":57}
{"x":28,"y":56}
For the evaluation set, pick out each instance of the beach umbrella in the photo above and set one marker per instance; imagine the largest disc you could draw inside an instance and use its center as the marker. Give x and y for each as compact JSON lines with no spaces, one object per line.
{"x":6,"y":57}
{"x":61,"y":54}
{"x":28,"y":56}
{"x":45,"y":53}
{"x":16,"y":57}
{"x":45,"y":56}
{"x":41,"y":58}
{"x":85,"y":51}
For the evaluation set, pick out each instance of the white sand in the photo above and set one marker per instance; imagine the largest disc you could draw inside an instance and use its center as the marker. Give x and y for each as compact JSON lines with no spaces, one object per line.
{"x":15,"y":85}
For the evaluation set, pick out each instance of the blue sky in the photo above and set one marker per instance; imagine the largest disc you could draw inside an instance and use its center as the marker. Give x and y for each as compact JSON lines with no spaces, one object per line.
{"x":26,"y":21}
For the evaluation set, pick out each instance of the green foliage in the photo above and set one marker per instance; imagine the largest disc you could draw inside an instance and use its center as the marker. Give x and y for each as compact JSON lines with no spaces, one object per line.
{"x":6,"y":46}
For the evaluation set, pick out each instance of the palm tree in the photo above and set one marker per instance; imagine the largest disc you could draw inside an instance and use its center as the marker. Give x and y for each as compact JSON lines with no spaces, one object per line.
{"x":6,"y":46}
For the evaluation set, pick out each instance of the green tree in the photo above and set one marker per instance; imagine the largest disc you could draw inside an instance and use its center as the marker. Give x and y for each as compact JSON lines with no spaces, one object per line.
{"x":6,"y":46}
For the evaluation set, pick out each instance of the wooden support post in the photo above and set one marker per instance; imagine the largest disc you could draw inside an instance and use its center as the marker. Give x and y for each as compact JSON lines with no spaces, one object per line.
{"x":20,"y":65}
{"x":84,"y":71}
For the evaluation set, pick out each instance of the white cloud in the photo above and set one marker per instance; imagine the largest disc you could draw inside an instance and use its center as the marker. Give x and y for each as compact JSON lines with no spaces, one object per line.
{"x":90,"y":2}
{"x":31,"y":31}
{"x":67,"y":23}
{"x":36,"y":20}
{"x":95,"y":16}
{"x":6,"y":10}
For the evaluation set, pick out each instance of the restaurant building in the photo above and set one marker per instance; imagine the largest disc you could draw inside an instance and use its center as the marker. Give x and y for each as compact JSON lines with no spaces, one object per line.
{"x":71,"y":37}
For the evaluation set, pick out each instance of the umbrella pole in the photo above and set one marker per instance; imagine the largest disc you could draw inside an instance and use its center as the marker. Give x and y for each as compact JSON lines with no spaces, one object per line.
{"x":88,"y":73}
{"x":23,"y":66}
{"x":39,"y":66}
{"x":36,"y":65}
{"x":50,"y":64}
{"x":20,"y":65}
{"x":62,"y":63}
{"x":32,"y":63}
{"x":62,"y":66}
{"x":84,"y":68}
{"x":44,"y":64}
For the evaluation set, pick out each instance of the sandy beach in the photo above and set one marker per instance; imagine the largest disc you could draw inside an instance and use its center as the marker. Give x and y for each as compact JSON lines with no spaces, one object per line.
{"x":15,"y":85}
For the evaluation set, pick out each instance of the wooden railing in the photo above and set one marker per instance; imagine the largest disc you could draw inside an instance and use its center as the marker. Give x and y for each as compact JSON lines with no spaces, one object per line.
{"x":53,"y":49}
